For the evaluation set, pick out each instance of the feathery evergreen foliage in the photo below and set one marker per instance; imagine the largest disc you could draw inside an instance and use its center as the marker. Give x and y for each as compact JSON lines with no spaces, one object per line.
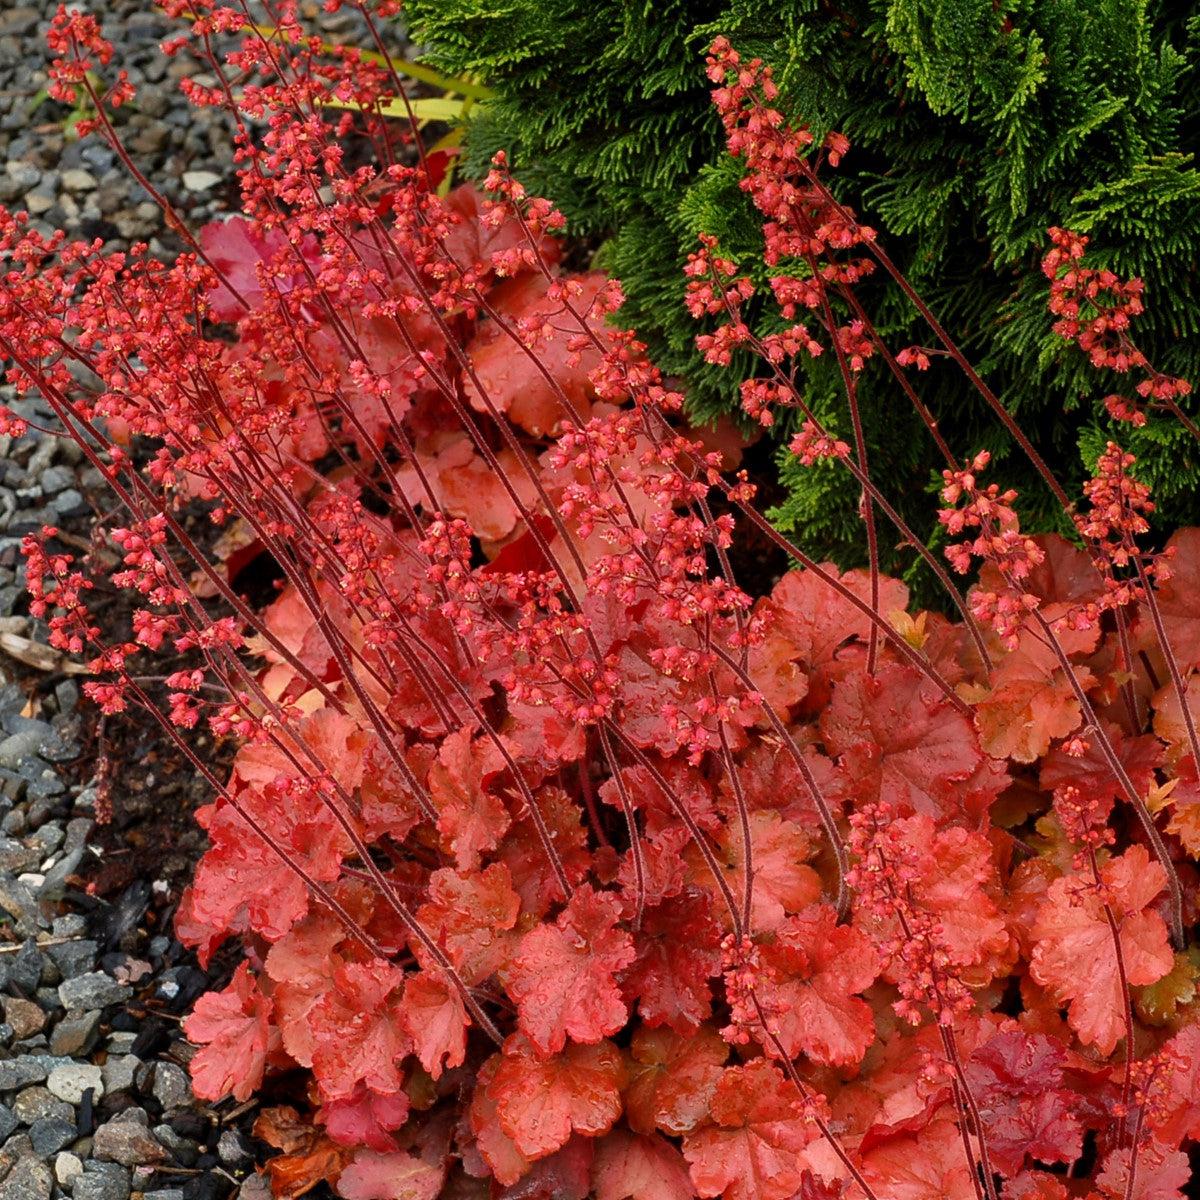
{"x":974,"y":124}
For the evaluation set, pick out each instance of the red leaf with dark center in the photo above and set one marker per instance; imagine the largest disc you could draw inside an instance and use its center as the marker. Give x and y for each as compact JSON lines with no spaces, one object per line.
{"x":1028,"y":1109}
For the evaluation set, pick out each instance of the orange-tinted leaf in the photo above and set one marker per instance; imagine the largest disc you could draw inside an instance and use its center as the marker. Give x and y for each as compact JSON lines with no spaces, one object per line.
{"x":540,"y":1101}
{"x":563,"y":976}
{"x":332,"y":739}
{"x":1183,"y":798}
{"x":1031,"y":701}
{"x":242,"y":883}
{"x":393,"y":1176}
{"x":672,"y":1078}
{"x":1179,"y":598}
{"x":436,"y":1020}
{"x":678,"y":952}
{"x":956,"y":880}
{"x":509,"y":376}
{"x":816,"y":621}
{"x":309,"y":1155}
{"x":301,"y":966}
{"x":1090,"y":772}
{"x":1074,"y":954}
{"x":629,"y":1167}
{"x":366,"y":1118}
{"x":783,"y":881}
{"x":471,"y":817}
{"x":358,"y":1030}
{"x":1162,"y":1173}
{"x":499,"y":1152}
{"x":1180,"y":1119}
{"x":234,"y":1029}
{"x":929,"y":1165}
{"x":527,"y":862}
{"x":753,"y":1151}
{"x":819,"y":969}
{"x":471,"y":915}
{"x":900,"y":741}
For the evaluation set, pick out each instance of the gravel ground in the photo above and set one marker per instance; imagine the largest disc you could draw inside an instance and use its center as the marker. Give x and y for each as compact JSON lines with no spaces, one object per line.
{"x":94,"y":1096}
{"x":78,"y":185}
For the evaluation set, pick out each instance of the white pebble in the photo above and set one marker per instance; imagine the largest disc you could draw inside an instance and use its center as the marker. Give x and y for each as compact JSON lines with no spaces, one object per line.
{"x":200,"y":181}
{"x":67,"y":1168}
{"x":71,"y":1080}
{"x":76,"y":179}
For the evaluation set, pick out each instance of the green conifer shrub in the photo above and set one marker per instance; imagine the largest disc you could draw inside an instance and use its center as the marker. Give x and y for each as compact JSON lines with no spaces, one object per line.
{"x":975,"y":125}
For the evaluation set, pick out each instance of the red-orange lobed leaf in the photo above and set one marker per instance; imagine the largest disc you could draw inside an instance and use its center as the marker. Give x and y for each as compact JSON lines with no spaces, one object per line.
{"x":563,"y":976}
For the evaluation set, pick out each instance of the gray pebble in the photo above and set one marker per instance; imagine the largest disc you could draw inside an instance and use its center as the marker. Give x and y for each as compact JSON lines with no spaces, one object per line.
{"x":93,"y":990}
{"x":8,"y":1122}
{"x":171,"y":1086}
{"x":49,"y":837}
{"x":119,"y":1072}
{"x":127,"y":1140}
{"x":19,"y":21}
{"x":23,"y":970}
{"x":42,"y":782}
{"x":16,"y":857}
{"x":102,"y":1181}
{"x":56,"y":479}
{"x":22,"y":1071}
{"x":36,"y":1103}
{"x":52,"y":1134}
{"x":121,"y":1041}
{"x":74,"y":959}
{"x":70,"y":925}
{"x":52,"y":747}
{"x":19,"y":746}
{"x":20,"y":903}
{"x":75,"y":1034}
{"x":76,"y":179}
{"x":24,"y":175}
{"x":184,"y":1151}
{"x":232,"y":1149}
{"x":78,"y":829}
{"x":55,"y":884}
{"x":67,"y":695}
{"x":68,"y":502}
{"x":30,"y":1179}
{"x":200,"y":181}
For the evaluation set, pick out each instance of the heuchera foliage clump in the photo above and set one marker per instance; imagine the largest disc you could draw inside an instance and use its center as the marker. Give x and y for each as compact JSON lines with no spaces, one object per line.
{"x":564,"y":865}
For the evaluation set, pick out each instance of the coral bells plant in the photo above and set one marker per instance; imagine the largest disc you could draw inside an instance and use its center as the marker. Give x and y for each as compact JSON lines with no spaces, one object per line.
{"x":564,"y":862}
